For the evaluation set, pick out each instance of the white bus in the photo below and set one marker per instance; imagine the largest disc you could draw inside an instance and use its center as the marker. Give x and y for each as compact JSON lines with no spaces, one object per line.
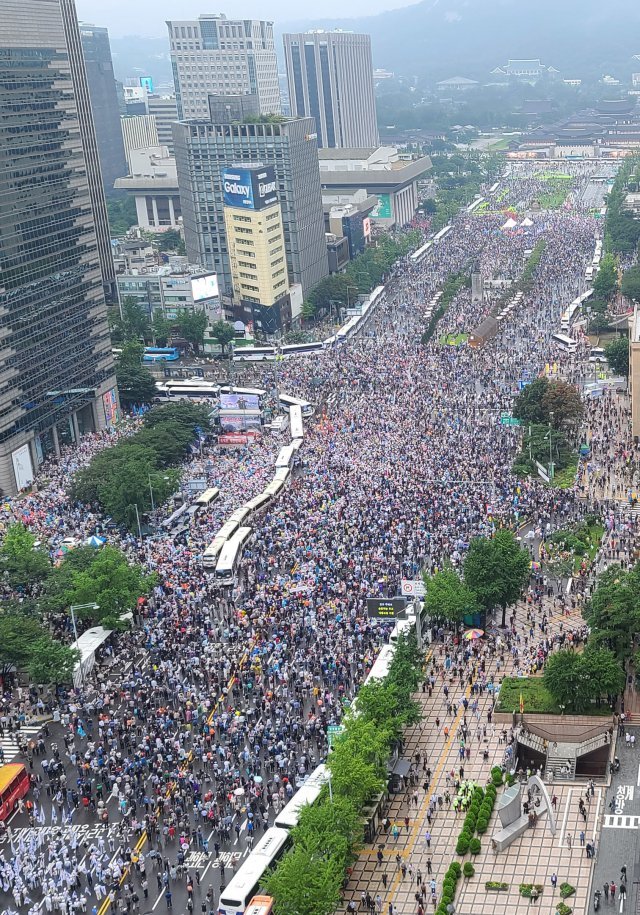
{"x":208,"y":497}
{"x":285,"y":457}
{"x":286,"y":401}
{"x":210,"y":555}
{"x":308,"y":794}
{"x":258,"y":502}
{"x":235,"y":898}
{"x":273,"y":488}
{"x":282,"y":473}
{"x":382,"y":663}
{"x":230,"y":556}
{"x":568,"y":344}
{"x":240,"y":514}
{"x":295,"y":419}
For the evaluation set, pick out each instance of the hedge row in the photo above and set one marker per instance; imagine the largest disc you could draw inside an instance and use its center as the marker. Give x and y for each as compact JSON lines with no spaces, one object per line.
{"x":450,"y":290}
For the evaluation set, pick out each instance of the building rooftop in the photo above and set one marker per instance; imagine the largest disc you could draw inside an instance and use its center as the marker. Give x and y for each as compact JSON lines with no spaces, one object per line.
{"x":378,"y":178}
{"x":357,"y":152}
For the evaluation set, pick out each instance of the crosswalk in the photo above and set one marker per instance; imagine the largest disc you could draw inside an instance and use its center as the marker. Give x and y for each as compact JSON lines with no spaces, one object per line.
{"x":9,"y":742}
{"x":621,"y":822}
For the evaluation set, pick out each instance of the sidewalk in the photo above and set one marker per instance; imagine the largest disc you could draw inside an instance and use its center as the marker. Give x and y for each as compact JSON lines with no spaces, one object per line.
{"x":531,"y":859}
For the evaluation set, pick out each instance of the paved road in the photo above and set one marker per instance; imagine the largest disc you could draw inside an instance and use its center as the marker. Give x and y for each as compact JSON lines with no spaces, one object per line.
{"x":619,"y":841}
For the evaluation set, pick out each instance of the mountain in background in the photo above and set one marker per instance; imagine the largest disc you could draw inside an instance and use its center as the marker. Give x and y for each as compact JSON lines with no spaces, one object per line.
{"x":437,"y":39}
{"x":443,"y":38}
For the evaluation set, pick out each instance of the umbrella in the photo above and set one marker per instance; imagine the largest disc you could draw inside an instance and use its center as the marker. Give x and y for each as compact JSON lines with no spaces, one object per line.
{"x":473,"y":634}
{"x":94,"y":541}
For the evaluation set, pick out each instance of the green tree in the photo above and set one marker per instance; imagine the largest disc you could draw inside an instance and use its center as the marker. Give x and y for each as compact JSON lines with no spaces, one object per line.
{"x":306,"y":883}
{"x":606,"y":281}
{"x":576,"y":681}
{"x":135,"y":320}
{"x":333,"y":828}
{"x":617,"y":353}
{"x":630,"y":286}
{"x":192,"y":326}
{"x":613,"y":613}
{"x":448,"y":597}
{"x":171,"y":240}
{"x":560,"y":676}
{"x":223,"y":333}
{"x":24,"y":563}
{"x":18,"y":634}
{"x":496,"y":570}
{"x":51,"y":662}
{"x":122,"y":214}
{"x":190,"y":416}
{"x":162,"y":328}
{"x":528,"y":406}
{"x":383,"y":704}
{"x":136,"y":384}
{"x":108,"y":580}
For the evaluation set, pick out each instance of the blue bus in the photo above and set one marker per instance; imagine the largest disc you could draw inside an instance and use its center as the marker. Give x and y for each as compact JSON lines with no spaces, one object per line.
{"x":161,"y":353}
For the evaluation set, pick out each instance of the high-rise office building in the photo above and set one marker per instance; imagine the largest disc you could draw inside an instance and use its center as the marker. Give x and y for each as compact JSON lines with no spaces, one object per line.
{"x":56,"y":369}
{"x":165,"y":111}
{"x":104,"y":103}
{"x":220,"y":56}
{"x":255,"y":239}
{"x":139,"y":131}
{"x":205,"y":149}
{"x":330,"y":77}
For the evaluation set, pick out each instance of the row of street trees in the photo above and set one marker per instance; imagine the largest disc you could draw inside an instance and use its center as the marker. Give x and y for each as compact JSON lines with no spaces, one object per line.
{"x":361,"y":276}
{"x":141,"y":469}
{"x":308,"y":880}
{"x":496,"y":570}
{"x":622,"y":229}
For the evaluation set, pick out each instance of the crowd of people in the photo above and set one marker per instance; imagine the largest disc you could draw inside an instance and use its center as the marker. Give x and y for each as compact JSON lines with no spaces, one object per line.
{"x":216,"y":705}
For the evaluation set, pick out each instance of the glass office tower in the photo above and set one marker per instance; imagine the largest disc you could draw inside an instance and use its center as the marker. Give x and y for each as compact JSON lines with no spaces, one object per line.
{"x":56,"y":369}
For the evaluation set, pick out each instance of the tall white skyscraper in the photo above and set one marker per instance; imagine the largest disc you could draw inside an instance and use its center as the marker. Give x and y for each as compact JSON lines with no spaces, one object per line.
{"x":330,"y":77}
{"x":213,"y":55}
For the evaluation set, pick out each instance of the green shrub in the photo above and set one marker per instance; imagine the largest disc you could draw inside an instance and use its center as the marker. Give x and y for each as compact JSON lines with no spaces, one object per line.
{"x":496,"y":776}
{"x":462,"y":845}
{"x":475,"y":846}
{"x":455,"y":867}
{"x":496,"y":885}
{"x":482,"y":825}
{"x":468,"y":870}
{"x":566,"y":890}
{"x":525,"y":889}
{"x":563,"y":909}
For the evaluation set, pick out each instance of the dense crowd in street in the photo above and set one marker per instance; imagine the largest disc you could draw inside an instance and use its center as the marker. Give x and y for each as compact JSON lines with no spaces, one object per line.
{"x":215,"y":706}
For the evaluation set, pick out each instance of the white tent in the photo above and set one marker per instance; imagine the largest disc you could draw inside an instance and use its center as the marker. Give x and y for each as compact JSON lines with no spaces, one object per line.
{"x":526,"y":221}
{"x":510,"y":224}
{"x":87,"y":645}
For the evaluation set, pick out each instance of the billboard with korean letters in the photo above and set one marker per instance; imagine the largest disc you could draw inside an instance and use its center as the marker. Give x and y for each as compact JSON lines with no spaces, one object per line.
{"x":246,"y":188}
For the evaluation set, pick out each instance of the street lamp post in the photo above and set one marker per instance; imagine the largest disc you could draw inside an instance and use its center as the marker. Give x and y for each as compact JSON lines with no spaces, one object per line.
{"x":153,"y":507}
{"x":72,"y":609}
{"x":550,"y":445}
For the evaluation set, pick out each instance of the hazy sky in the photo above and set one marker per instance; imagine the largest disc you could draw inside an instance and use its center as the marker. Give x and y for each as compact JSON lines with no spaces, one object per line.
{"x":147,"y":17}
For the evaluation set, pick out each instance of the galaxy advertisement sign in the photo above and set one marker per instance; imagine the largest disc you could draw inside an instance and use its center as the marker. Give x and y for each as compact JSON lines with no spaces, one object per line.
{"x":250,"y":188}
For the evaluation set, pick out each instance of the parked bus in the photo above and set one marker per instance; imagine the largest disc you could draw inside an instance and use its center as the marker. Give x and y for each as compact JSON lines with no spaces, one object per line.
{"x":308,"y":794}
{"x":208,"y":497}
{"x":568,"y":344}
{"x":161,"y":353}
{"x":285,"y":457}
{"x":287,"y":402}
{"x":237,"y":895}
{"x":295,"y":419}
{"x":210,"y":555}
{"x":231,"y":556}
{"x":14,"y":784}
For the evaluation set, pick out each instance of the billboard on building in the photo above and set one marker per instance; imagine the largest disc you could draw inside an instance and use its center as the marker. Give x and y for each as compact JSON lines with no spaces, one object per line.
{"x":110,"y":405}
{"x":239,"y":402}
{"x":247,"y":188}
{"x":22,"y":467}
{"x":240,"y":422}
{"x":384,"y":209}
{"x":146,"y":82}
{"x":204,"y":287}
